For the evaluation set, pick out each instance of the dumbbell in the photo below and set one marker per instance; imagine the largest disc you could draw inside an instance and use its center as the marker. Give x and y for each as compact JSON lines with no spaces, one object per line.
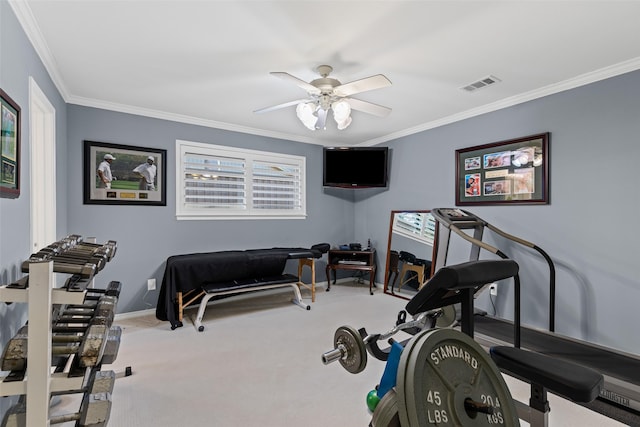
{"x":104,"y":307}
{"x":21,"y":283}
{"x":71,"y":256}
{"x":70,"y":240}
{"x":79,"y":251}
{"x":79,"y":325}
{"x":113,"y":289}
{"x":97,"y":382}
{"x":86,"y":270}
{"x":103,"y":250}
{"x":89,"y":347}
{"x":64,"y":243}
{"x":77,"y":283}
{"x":93,"y":296}
{"x":77,"y":319}
{"x":111,"y":348}
{"x":107,"y":249}
{"x":94,"y":412}
{"x":113,"y":345}
{"x":65,"y":331}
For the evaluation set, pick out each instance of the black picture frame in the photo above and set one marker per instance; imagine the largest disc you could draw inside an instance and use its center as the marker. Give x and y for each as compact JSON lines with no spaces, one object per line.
{"x":128,"y":187}
{"x":509,"y":172}
{"x":10,"y":132}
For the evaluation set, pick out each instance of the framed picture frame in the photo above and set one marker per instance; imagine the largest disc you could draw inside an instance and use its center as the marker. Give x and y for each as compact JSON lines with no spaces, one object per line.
{"x":9,"y":147}
{"x":506,"y":172}
{"x":116,"y":174}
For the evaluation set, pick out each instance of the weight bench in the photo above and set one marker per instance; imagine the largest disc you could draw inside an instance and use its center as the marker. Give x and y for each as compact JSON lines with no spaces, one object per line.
{"x":458,"y":284}
{"x":248,"y":285}
{"x":569,"y":380}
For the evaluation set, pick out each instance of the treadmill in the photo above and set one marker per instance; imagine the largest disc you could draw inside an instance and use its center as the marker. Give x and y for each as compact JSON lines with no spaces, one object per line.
{"x":620,"y":397}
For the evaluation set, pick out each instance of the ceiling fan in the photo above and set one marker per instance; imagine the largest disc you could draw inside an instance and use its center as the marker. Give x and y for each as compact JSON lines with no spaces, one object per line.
{"x":327,"y":93}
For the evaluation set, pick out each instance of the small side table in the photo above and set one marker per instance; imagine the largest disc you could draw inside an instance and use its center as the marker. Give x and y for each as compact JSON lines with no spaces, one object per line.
{"x":351,"y":260}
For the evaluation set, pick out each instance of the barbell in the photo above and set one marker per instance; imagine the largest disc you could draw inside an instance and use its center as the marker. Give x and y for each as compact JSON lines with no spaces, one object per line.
{"x":444,"y":378}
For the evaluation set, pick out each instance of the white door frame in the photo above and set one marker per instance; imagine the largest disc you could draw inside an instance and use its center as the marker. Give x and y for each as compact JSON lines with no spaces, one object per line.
{"x":42,"y":132}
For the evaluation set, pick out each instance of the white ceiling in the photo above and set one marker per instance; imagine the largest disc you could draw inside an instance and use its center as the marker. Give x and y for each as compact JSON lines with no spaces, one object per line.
{"x":208,"y":62}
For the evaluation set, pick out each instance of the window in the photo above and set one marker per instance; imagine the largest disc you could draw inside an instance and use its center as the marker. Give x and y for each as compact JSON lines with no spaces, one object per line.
{"x":418,"y":226}
{"x":216,"y":182}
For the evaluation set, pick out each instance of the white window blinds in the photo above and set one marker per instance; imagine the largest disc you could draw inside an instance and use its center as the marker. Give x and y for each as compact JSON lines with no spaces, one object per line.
{"x":223,"y":182}
{"x":214,"y":182}
{"x":420,"y":226}
{"x":276,"y":186}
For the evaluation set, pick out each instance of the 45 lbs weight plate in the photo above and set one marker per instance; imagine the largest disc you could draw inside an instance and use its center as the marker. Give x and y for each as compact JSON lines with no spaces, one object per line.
{"x":446,"y":379}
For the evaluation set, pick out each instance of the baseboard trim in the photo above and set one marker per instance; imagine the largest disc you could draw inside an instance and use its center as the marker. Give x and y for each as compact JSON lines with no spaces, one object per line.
{"x":134,"y":314}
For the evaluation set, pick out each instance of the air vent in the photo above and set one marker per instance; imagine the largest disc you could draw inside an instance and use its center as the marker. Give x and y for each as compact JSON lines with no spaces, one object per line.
{"x":484,"y":82}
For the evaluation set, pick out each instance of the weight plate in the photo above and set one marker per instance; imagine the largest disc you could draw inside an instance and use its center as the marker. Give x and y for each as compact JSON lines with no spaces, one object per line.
{"x":386,"y":413}
{"x":446,"y":379}
{"x":355,"y":353}
{"x":447,"y":318}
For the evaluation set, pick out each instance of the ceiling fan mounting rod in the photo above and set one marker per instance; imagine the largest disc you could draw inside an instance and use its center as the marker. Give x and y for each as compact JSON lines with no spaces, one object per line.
{"x":324,"y":70}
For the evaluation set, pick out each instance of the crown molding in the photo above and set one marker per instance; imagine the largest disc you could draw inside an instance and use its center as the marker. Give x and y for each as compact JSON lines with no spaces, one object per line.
{"x":572,"y":83}
{"x":27,"y":21}
{"x":30,"y":26}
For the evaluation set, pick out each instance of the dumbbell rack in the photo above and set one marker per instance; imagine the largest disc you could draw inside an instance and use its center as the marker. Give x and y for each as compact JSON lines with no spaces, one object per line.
{"x":39,"y":382}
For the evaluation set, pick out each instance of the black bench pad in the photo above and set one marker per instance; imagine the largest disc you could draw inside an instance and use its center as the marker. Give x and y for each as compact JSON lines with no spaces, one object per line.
{"x":248,"y":283}
{"x":567,"y":379}
{"x":444,"y":287}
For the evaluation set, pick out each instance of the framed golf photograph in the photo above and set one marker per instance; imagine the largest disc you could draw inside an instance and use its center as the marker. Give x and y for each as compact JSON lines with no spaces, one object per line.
{"x":116,"y":174}
{"x":507,"y":172}
{"x":9,"y":147}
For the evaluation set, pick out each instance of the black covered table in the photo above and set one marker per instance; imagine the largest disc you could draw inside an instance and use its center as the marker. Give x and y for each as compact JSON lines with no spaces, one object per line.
{"x":185,"y":275}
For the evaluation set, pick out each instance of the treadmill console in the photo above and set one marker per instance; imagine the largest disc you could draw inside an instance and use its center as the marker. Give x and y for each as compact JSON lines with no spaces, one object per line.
{"x":453,"y":214}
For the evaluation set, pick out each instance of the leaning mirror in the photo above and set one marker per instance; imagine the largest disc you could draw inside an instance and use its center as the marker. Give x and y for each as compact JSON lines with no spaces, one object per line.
{"x":409,"y":252}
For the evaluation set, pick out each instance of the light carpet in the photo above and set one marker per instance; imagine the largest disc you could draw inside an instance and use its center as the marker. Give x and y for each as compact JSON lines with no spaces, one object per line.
{"x":258,"y":363}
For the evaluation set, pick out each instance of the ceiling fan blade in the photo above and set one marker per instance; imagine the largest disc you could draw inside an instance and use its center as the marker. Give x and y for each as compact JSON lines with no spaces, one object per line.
{"x":368,"y":107}
{"x":368,"y":83}
{"x":301,"y":83}
{"x":279,"y":106}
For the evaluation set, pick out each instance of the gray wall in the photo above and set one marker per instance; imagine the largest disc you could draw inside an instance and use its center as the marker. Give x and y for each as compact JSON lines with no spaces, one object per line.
{"x":588,"y":229}
{"x":18,"y":61}
{"x":147,"y":235}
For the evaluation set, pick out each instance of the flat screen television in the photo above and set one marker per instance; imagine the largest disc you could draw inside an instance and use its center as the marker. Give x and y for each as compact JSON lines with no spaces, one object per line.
{"x":355,"y":167}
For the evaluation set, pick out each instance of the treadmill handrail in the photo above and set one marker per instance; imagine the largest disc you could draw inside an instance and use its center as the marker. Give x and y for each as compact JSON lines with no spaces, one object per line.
{"x":477,"y":242}
{"x":440,"y":215}
{"x":552,"y":270}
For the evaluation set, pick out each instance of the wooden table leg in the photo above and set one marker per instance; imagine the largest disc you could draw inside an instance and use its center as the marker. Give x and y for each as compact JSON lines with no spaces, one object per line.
{"x":309,"y":262}
{"x":372,"y":276}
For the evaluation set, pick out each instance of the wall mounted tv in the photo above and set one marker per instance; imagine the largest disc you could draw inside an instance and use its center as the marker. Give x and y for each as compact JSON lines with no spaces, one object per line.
{"x":355,"y":167}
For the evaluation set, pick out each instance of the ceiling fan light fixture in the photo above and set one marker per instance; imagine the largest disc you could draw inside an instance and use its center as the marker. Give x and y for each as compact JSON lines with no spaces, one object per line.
{"x":342,"y":114}
{"x":341,"y":110}
{"x":326,"y":93}
{"x":344,"y":124}
{"x":306,"y":113}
